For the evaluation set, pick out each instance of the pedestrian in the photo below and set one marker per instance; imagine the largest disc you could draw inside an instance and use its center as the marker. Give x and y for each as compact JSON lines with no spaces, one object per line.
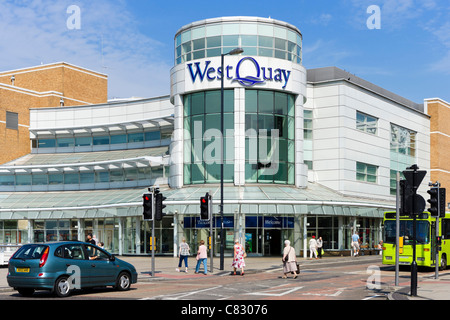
{"x":90,"y":239}
{"x":183,"y":254}
{"x":238,"y":259}
{"x":289,"y":260}
{"x":312,"y":247}
{"x":355,"y":244}
{"x":319,"y":247}
{"x":201,"y":258}
{"x":380,"y":247}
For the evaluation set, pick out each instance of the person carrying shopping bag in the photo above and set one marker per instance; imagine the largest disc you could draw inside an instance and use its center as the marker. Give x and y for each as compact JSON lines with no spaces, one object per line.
{"x":289,"y":260}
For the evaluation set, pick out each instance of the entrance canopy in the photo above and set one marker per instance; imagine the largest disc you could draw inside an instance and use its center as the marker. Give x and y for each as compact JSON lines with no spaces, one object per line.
{"x":261,"y":199}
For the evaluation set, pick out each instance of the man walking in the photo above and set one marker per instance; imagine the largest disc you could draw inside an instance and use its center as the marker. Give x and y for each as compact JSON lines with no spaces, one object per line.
{"x":355,"y":244}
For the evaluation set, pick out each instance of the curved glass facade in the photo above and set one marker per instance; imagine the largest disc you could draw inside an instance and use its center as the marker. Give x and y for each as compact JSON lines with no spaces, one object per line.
{"x":202,"y":143}
{"x":264,"y":39}
{"x":269,"y":137}
{"x":269,"y":154}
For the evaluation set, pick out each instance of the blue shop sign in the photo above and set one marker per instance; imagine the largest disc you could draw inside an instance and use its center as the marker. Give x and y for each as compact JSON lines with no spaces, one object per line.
{"x":197,"y":223}
{"x":269,"y":222}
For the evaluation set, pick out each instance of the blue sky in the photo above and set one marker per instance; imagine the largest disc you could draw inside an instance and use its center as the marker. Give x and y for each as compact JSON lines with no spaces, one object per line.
{"x":132,"y":41}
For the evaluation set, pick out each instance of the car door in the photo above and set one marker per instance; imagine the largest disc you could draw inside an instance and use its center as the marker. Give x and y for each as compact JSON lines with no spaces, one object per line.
{"x":76,"y":263}
{"x":103,"y":271}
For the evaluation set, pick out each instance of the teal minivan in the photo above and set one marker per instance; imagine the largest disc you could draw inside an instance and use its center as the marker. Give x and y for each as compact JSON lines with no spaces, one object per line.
{"x":62,"y":267}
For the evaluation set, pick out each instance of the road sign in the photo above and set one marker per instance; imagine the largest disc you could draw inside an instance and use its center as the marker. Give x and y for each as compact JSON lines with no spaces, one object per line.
{"x":414,"y":178}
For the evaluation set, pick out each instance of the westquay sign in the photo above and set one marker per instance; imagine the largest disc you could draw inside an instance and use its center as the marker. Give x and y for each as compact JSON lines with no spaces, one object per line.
{"x":247,"y":72}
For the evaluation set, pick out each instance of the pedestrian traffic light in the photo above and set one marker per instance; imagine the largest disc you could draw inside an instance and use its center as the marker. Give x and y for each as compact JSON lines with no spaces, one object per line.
{"x":204,"y":207}
{"x":148,"y":206}
{"x":159,"y":206}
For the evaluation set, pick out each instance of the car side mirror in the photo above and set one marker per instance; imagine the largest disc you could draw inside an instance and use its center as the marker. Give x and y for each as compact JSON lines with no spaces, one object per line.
{"x":112,"y":258}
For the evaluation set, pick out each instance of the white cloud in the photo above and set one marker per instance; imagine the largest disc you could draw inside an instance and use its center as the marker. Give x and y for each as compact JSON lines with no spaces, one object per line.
{"x":35,"y":32}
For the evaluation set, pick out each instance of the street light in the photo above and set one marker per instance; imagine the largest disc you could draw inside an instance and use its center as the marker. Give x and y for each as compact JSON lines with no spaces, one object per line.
{"x":222,"y":238}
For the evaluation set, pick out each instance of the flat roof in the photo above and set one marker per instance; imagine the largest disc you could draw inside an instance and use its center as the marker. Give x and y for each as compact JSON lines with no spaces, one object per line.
{"x":327,"y":74}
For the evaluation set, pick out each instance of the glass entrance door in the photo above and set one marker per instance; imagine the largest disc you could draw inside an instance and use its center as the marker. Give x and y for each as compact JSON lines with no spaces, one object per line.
{"x":272,"y":242}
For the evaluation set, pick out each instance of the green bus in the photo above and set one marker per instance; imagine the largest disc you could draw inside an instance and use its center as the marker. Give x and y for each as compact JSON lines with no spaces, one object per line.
{"x":426,"y":240}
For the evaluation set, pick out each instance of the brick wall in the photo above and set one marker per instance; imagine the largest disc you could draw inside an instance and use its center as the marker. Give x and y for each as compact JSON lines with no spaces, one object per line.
{"x":439,"y":111}
{"x":41,"y":87}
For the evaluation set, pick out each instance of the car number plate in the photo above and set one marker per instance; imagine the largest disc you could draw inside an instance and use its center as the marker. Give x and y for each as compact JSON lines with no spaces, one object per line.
{"x":23,"y":270}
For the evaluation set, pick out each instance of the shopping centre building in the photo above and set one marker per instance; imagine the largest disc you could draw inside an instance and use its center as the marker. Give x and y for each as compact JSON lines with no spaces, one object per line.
{"x":306,"y":152}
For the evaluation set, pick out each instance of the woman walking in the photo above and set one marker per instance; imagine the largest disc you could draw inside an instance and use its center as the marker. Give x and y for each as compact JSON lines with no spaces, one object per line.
{"x":184,"y":254}
{"x":289,"y":260}
{"x":239,"y":255}
{"x":201,"y":257}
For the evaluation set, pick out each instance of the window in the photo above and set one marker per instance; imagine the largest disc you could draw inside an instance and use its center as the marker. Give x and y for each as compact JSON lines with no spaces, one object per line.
{"x":403,"y":152}
{"x":30,"y":251}
{"x":269,"y":159}
{"x":446,"y":228}
{"x":307,"y":124}
{"x":256,"y":39}
{"x":46,"y":143}
{"x":83,"y":141}
{"x":65,"y":142}
{"x":366,"y":123}
{"x":71,"y":251}
{"x":12,"y":120}
{"x":203,"y":153}
{"x":96,"y":254}
{"x":366,"y":172}
{"x":406,"y":227}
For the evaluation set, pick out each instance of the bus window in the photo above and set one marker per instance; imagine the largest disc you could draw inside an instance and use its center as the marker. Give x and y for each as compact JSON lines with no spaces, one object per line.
{"x":406,"y":231}
{"x":446,"y":228}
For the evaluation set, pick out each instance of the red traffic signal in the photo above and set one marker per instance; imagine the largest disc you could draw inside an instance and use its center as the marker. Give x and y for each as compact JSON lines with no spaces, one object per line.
{"x":148,"y":206}
{"x":204,"y":207}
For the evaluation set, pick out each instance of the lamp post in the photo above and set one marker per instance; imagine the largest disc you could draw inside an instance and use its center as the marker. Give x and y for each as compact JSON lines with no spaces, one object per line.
{"x":222,"y":238}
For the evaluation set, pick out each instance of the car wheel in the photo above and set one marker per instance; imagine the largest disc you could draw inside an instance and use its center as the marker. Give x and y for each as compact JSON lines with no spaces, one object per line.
{"x":123,"y":282}
{"x":26,"y":292}
{"x":62,"y":287}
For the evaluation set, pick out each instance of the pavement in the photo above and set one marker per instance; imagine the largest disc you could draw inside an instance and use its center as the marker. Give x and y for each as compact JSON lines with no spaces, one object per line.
{"x":429,"y":288}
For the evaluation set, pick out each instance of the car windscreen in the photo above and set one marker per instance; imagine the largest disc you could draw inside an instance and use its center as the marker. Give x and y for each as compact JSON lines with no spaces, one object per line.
{"x":31,"y":251}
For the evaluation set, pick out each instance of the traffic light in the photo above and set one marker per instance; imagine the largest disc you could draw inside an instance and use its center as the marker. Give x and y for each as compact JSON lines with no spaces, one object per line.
{"x":433,"y":201}
{"x":406,"y":196}
{"x":437,"y":202}
{"x":148,"y":206}
{"x":159,"y":206}
{"x":442,"y":202}
{"x":204,"y":207}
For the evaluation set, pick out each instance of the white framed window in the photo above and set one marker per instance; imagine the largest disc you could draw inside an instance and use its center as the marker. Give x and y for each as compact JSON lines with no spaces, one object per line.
{"x":366,"y":123}
{"x":366,"y":172}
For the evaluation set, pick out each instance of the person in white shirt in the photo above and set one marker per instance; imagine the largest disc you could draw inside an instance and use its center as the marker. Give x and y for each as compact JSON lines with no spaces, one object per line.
{"x":184,"y":254}
{"x":312,"y":247}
